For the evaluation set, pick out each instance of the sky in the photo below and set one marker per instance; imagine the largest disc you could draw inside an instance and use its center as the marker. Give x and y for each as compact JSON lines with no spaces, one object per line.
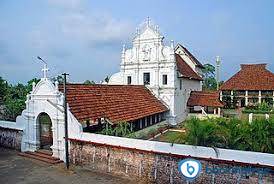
{"x":84,"y":38}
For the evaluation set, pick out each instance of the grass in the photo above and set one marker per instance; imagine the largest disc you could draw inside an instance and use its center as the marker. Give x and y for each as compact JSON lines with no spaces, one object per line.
{"x":150,"y":131}
{"x":172,"y":137}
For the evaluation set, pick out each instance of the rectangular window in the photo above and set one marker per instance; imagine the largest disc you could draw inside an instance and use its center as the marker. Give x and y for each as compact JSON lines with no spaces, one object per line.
{"x":164,"y":79}
{"x":146,"y":78}
{"x":181,"y":85}
{"x":128,"y":80}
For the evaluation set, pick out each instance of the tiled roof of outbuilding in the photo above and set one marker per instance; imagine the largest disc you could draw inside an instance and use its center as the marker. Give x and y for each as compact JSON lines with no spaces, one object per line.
{"x":116,"y":102}
{"x":250,"y":77}
{"x":204,"y":98}
{"x":185,"y":69}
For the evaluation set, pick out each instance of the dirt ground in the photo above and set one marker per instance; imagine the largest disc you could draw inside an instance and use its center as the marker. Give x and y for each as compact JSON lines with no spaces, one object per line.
{"x":15,"y":169}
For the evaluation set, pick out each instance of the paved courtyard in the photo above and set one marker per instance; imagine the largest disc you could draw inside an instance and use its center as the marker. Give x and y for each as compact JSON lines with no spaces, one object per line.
{"x":20,"y":170}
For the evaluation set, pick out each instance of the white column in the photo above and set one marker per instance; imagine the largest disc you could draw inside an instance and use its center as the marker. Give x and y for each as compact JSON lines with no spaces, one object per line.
{"x":219,"y":111}
{"x":273,"y":98}
{"x":246,"y":98}
{"x":260,"y":96}
{"x":221,"y":96}
{"x":250,"y":117}
{"x":231,"y":95}
{"x":214,"y":111}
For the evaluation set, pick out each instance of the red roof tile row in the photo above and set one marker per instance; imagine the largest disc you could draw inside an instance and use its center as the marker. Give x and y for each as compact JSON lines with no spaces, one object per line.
{"x":204,"y":98}
{"x":250,"y":77}
{"x":116,"y":102}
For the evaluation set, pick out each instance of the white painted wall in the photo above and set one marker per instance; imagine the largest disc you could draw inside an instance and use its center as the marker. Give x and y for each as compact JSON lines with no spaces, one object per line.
{"x":180,"y":149}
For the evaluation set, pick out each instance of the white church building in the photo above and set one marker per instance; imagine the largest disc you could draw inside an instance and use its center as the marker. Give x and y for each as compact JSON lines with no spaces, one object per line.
{"x":170,"y":72}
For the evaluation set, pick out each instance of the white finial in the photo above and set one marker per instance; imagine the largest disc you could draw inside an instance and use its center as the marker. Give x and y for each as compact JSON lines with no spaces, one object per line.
{"x":124,"y":48}
{"x":56,"y":85}
{"x":45,"y":70}
{"x":172,"y":44}
{"x":33,"y":85}
{"x":137,"y":31}
{"x":148,"y":21}
{"x":218,"y":60}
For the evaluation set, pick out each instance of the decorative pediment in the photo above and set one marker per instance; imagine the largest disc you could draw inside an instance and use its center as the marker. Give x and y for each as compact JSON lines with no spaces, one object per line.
{"x":44,"y":87}
{"x":148,"y":31}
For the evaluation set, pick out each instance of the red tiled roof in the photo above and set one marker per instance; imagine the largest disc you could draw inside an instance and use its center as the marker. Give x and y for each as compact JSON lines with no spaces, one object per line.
{"x":185,"y":69}
{"x":204,"y":98}
{"x":192,"y":57}
{"x":250,"y":77}
{"x":116,"y":102}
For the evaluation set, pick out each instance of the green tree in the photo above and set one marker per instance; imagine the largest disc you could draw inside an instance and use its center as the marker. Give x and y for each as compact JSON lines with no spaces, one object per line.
{"x":208,"y":73}
{"x":261,"y":135}
{"x":106,"y":79}
{"x":231,"y":133}
{"x":201,"y":132}
{"x":3,"y":89}
{"x":89,"y":82}
{"x":58,"y":78}
{"x":14,"y":99}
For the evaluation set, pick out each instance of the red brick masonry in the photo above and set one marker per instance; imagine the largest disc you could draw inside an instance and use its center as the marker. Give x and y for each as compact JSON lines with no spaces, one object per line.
{"x":153,"y":167}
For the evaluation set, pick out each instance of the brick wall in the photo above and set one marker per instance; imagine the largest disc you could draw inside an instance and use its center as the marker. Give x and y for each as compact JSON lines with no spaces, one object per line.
{"x":10,"y":138}
{"x":150,"y":167}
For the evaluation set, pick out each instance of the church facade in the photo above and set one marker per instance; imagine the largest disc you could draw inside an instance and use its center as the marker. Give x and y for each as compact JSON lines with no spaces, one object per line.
{"x":170,"y":72}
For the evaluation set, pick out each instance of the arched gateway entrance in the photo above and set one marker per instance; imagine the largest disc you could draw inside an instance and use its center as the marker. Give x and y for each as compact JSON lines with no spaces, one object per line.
{"x":45,"y":131}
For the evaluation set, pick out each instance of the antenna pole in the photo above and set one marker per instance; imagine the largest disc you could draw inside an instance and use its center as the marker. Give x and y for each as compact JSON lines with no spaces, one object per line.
{"x":66,"y":120}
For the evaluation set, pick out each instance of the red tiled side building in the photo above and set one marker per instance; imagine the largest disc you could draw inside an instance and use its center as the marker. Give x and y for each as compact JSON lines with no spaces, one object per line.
{"x":253,"y":84}
{"x":134,"y":104}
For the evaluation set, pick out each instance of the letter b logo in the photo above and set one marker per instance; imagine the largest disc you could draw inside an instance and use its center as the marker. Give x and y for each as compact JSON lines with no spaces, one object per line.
{"x":190,"y":168}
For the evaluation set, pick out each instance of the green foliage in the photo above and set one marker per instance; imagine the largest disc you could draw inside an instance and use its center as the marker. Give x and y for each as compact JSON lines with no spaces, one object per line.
{"x":121,"y":129}
{"x":261,"y":108}
{"x":106,"y":79}
{"x":14,"y":97}
{"x":208,"y":73}
{"x":89,"y":82}
{"x":232,"y":134}
{"x":3,"y":89}
{"x":264,"y":106}
{"x":59,"y":78}
{"x":173,"y":137}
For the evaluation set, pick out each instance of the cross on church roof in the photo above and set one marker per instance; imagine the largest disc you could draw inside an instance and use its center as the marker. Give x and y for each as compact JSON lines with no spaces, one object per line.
{"x":45,"y":70}
{"x":148,"y":21}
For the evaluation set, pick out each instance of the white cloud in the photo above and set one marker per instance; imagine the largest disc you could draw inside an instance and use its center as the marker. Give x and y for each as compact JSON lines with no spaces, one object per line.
{"x":79,"y":27}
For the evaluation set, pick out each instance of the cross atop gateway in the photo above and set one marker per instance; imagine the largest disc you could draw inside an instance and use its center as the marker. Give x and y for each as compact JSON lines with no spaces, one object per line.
{"x":45,"y":69}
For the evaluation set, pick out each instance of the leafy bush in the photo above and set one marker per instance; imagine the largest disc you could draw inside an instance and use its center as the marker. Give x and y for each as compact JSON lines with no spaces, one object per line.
{"x":121,"y":129}
{"x":232,"y":134}
{"x":262,"y":108}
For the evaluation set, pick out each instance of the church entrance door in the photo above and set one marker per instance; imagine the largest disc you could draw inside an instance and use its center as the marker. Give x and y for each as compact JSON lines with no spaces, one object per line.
{"x":45,"y":131}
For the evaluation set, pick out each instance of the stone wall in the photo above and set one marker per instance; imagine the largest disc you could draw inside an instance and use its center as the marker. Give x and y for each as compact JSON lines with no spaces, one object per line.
{"x":152,"y":167}
{"x":11,"y":138}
